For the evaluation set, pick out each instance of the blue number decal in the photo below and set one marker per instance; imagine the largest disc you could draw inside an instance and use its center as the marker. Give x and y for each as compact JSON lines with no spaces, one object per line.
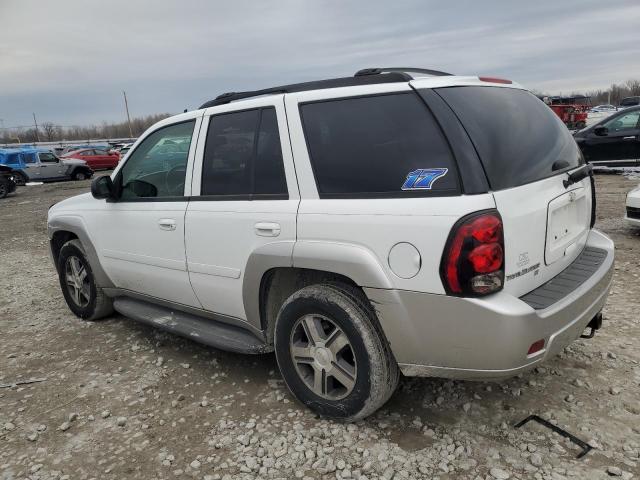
{"x":423,"y":178}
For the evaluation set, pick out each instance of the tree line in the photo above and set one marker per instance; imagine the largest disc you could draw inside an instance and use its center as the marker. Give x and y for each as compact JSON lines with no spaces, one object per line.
{"x":613,"y":95}
{"x":50,"y":132}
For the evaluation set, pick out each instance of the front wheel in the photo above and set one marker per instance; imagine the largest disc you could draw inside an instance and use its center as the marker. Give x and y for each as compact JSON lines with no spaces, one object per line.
{"x":332,"y":353}
{"x":84,"y":298}
{"x":80,"y":175}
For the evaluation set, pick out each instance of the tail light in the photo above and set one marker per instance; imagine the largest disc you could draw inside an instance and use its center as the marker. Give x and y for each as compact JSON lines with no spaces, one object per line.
{"x":473,"y":259}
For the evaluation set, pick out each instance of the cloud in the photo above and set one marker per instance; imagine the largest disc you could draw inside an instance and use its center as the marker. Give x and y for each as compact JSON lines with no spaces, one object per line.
{"x":69,"y":60}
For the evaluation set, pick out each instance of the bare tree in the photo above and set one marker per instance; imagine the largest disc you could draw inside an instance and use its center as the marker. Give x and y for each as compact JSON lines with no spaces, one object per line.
{"x":50,"y":131}
{"x":633,"y":86}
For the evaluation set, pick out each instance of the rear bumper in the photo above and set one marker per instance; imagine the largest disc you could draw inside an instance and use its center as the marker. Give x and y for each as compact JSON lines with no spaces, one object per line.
{"x":482,"y":338}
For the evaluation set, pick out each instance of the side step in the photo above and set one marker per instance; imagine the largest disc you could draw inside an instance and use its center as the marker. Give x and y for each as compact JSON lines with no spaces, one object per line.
{"x":203,"y":330}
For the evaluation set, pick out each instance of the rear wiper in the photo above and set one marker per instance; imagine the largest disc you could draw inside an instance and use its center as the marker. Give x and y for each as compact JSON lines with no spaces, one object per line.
{"x":577,"y":175}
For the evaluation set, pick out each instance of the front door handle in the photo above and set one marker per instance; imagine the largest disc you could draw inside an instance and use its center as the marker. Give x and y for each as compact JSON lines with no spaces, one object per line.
{"x":267,"y":229}
{"x":629,"y":138}
{"x":168,"y":224}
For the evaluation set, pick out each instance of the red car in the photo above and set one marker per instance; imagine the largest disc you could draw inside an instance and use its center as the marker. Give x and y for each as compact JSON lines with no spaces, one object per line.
{"x":96,"y":158}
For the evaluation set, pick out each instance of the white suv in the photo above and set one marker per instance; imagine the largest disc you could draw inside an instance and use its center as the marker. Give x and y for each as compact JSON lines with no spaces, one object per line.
{"x":394,"y":221}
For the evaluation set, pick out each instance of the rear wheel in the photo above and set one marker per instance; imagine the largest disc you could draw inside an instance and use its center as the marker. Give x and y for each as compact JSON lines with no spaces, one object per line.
{"x":332,"y":354}
{"x":84,"y":298}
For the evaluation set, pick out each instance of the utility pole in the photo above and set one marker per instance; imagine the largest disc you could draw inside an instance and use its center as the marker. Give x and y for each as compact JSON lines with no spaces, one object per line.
{"x":37,"y":133}
{"x":126,"y":106}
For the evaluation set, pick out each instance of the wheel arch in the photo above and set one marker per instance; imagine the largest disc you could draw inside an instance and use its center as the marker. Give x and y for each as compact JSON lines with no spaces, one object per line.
{"x":64,"y":228}
{"x":275,"y":271}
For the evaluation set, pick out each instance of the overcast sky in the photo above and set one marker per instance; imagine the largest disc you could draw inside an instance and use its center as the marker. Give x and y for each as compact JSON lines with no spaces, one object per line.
{"x":69,"y":60}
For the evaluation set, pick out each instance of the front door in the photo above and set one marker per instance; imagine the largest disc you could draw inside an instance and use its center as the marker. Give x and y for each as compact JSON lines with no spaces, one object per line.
{"x":620,"y":143}
{"x":245,"y":199}
{"x":140,"y":236}
{"x":50,"y":166}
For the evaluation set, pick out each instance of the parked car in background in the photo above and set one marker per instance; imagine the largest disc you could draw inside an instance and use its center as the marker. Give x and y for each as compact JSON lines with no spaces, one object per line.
{"x":630,"y":102}
{"x":613,"y":141}
{"x":633,"y":207}
{"x":73,"y":148}
{"x":7,"y":181}
{"x":604,"y":108}
{"x":40,"y":165}
{"x":124,"y":150}
{"x":360,"y":227}
{"x":96,"y":158}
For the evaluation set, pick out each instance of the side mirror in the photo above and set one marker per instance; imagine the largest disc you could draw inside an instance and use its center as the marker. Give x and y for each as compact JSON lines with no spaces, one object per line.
{"x":601,"y":131}
{"x":102,"y":187}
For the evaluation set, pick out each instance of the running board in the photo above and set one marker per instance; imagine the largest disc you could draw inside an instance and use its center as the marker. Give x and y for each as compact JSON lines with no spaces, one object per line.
{"x":203,"y":330}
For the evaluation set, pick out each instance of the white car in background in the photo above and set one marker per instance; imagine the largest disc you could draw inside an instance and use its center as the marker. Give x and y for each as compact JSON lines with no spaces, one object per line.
{"x":633,"y":207}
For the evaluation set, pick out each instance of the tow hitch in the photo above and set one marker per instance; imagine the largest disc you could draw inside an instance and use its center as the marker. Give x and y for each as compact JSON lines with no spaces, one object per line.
{"x":594,"y":324}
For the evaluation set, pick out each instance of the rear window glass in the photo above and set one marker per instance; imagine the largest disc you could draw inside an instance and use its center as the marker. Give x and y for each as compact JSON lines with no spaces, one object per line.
{"x":377,"y":146}
{"x":518,"y":138}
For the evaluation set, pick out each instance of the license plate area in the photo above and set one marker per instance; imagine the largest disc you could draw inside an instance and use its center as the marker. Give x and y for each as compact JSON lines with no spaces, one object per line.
{"x":567,"y":222}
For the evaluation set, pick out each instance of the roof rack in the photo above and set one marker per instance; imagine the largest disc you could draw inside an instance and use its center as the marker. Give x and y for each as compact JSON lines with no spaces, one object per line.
{"x":378,"y":71}
{"x":368,"y":76}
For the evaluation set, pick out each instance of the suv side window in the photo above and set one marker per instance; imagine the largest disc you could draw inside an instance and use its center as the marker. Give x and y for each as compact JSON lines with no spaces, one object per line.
{"x":153,"y":171}
{"x":28,"y":158}
{"x":378,"y":146}
{"x":47,"y":157}
{"x":243,"y":156}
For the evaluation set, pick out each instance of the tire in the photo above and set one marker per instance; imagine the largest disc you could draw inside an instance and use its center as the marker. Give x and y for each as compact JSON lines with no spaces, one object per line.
{"x":20,"y":179}
{"x":337,"y":380}
{"x":89,"y":301}
{"x":79,"y":175}
{"x":4,"y":187}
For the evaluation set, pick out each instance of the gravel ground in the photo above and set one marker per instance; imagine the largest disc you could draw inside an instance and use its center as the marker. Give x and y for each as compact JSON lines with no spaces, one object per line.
{"x":122,"y":400}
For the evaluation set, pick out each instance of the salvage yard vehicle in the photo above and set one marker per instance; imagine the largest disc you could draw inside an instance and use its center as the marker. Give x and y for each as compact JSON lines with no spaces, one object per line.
{"x":7,"y":181}
{"x":39,"y":165}
{"x":613,"y":141}
{"x":96,"y":158}
{"x":573,"y":111}
{"x":633,"y":207}
{"x":359,"y":227}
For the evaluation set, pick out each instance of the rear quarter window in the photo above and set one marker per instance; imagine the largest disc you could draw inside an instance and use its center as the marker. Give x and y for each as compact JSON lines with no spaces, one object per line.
{"x":378,"y":146}
{"x":517,"y":136}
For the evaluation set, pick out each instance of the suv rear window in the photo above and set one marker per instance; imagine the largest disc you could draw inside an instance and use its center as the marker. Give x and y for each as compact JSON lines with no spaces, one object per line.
{"x":518,"y":138}
{"x":377,"y":146}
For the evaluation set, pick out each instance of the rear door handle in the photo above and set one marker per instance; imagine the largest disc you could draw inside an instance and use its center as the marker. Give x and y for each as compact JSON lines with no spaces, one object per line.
{"x":267,"y":229}
{"x":168,"y":224}
{"x":629,"y":138}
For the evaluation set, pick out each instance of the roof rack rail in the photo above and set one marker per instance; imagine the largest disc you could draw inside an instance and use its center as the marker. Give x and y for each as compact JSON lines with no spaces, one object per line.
{"x":391,"y":77}
{"x":378,"y":71}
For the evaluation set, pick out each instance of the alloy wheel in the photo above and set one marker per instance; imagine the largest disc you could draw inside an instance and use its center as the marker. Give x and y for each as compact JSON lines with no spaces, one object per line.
{"x":323,"y":356}
{"x":77,"y":279}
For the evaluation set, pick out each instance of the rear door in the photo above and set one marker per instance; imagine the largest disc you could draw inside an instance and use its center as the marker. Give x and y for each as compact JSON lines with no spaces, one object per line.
{"x":527,"y":153}
{"x":89,"y":156}
{"x":31,"y":166}
{"x":245,"y":198}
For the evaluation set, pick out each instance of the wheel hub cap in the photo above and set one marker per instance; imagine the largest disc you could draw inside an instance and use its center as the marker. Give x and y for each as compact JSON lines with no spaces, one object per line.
{"x":77,"y":279}
{"x":323,"y":356}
